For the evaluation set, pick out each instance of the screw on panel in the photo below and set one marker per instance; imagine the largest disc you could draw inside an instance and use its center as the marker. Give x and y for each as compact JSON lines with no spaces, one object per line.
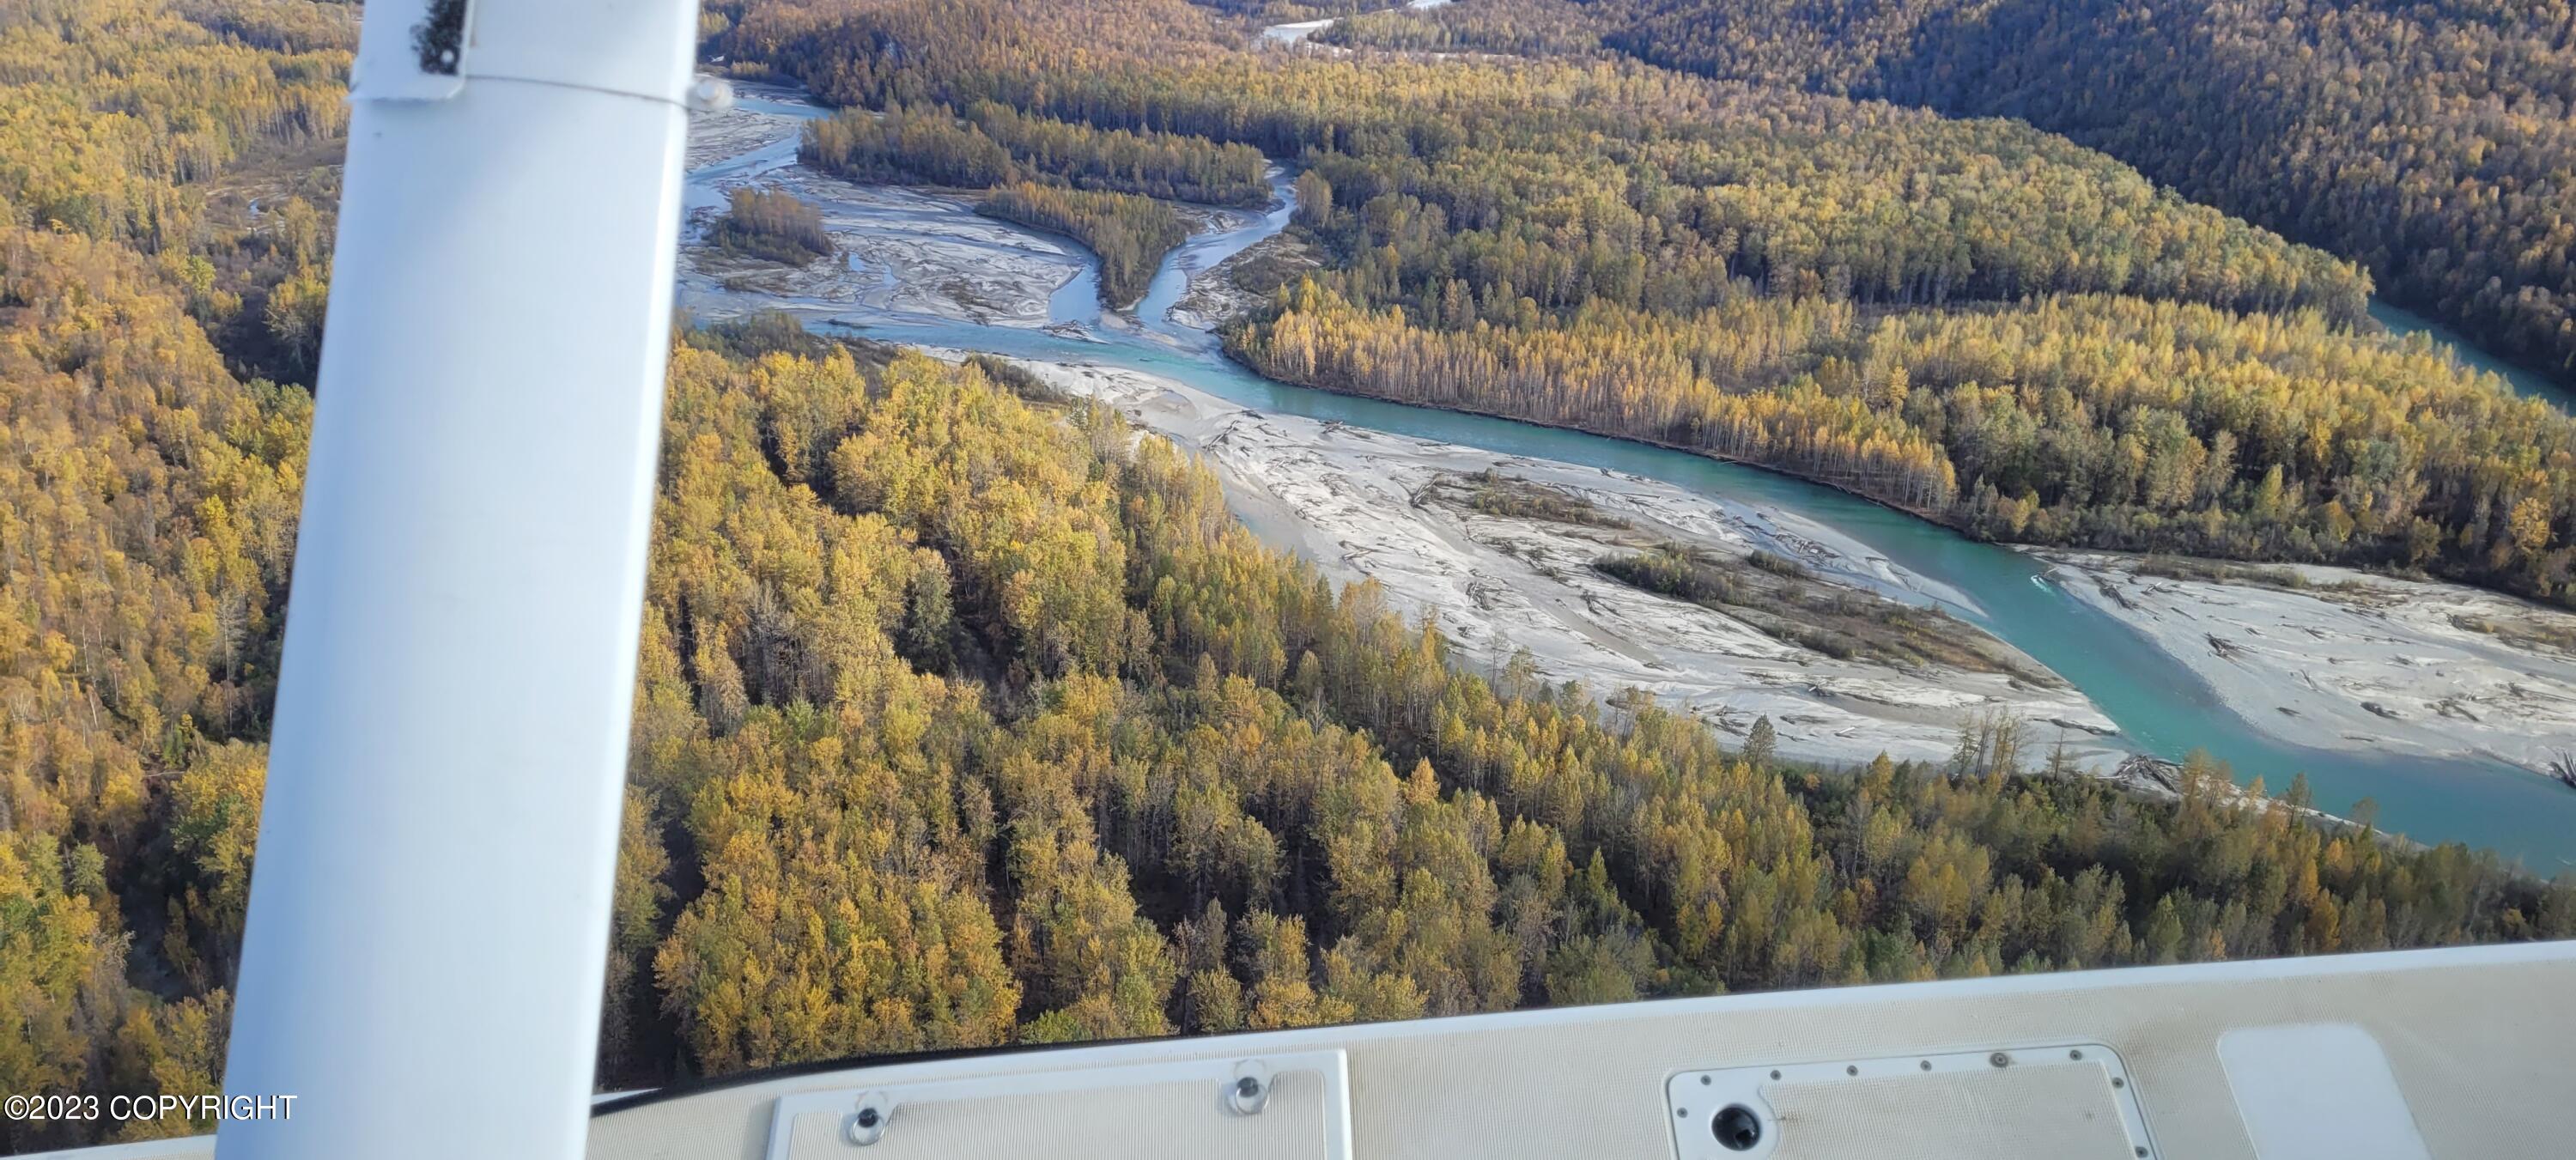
{"x":1704,"y":1081}
{"x":1775,"y":1075}
{"x":1927,"y":1065}
{"x":1999,"y":1059}
{"x":2076,"y":1053}
{"x":868,"y":1124}
{"x":1250,"y":1090}
{"x":2117,"y":1082}
{"x":1851,"y":1069}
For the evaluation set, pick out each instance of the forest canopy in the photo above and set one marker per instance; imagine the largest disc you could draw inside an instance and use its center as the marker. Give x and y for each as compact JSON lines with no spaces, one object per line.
{"x":2434,"y":143}
{"x":964,"y":716}
{"x":770,"y":225}
{"x":1129,"y":234}
{"x":994,"y":145}
{"x":2106,"y":422}
{"x":1091,"y":761}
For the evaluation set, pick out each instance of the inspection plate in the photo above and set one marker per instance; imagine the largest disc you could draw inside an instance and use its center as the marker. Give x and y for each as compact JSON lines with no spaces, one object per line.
{"x":2068,"y":1101}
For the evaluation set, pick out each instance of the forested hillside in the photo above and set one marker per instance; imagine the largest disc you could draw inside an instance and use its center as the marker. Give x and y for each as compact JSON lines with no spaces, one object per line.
{"x":2434,"y":142}
{"x":964,"y":716}
{"x":148,"y":500}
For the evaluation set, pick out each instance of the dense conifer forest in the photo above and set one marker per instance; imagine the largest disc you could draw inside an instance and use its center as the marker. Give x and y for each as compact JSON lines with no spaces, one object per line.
{"x":965,"y":716}
{"x":2435,"y":143}
{"x":2430,"y":142}
{"x":993,"y":145}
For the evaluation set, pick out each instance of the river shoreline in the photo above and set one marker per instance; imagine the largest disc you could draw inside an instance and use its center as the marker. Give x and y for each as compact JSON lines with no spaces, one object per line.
{"x":1368,"y":505}
{"x":1933,"y":518}
{"x":2331,"y":658}
{"x":1294,"y":34}
{"x":2373,"y":715}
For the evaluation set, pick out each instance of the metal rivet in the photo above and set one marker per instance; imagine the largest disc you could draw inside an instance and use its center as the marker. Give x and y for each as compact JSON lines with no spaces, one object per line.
{"x":1775,"y":1075}
{"x":868,"y":1124}
{"x":1927,"y":1065}
{"x":1999,"y":1059}
{"x":2077,"y":1053}
{"x":1250,"y":1091}
{"x":2142,"y":1152}
{"x":1681,"y":1113}
{"x":1853,"y":1069}
{"x":1704,"y":1081}
{"x":2118,"y":1082}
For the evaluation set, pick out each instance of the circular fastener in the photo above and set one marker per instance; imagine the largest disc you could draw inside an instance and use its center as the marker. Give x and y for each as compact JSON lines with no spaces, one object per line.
{"x":2075,"y":1053}
{"x":1249,"y":1091}
{"x":1999,"y":1059}
{"x":1927,"y":1065}
{"x":1704,"y":1081}
{"x":868,"y":1123}
{"x":2142,"y":1152}
{"x":2117,"y":1082}
{"x":1737,"y":1128}
{"x":1775,"y":1074}
{"x":1851,"y":1069}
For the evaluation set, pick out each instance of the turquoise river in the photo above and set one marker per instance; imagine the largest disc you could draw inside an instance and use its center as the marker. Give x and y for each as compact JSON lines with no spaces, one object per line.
{"x":2159,"y":705}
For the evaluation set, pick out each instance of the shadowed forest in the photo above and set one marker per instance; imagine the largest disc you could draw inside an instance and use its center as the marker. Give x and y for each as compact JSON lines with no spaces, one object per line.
{"x":2428,"y":142}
